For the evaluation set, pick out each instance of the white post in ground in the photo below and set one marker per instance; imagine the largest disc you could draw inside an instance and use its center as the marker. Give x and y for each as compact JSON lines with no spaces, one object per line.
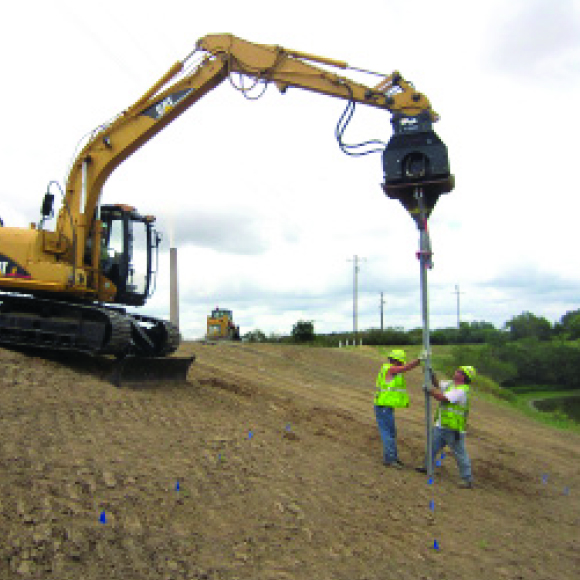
{"x":425,"y":255}
{"x":356,"y":259}
{"x":173,"y":288}
{"x":457,"y":292}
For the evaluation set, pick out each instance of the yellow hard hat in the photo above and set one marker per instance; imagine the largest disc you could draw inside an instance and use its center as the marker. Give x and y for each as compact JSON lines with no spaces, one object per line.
{"x":398,"y":355}
{"x":469,"y":372}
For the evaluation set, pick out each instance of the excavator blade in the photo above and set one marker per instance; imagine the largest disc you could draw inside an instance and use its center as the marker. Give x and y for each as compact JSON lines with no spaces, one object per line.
{"x":141,"y":370}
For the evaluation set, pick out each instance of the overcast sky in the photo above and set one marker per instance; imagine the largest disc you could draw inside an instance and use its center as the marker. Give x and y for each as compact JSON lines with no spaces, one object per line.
{"x":264,"y":208}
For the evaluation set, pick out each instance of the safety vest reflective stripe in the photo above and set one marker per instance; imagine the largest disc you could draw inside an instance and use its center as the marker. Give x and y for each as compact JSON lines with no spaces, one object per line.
{"x":392,"y":394}
{"x":454,"y":415}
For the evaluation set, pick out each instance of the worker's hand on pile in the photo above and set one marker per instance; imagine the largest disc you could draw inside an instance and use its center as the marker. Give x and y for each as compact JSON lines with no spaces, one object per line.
{"x":424,"y":355}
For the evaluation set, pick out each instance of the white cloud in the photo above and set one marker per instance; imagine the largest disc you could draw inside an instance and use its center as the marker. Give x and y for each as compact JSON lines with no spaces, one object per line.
{"x":537,"y":40}
{"x":264,"y":207}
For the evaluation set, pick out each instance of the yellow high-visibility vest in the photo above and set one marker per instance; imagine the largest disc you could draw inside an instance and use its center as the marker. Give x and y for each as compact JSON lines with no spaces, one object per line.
{"x":392,"y":394}
{"x":454,"y":415}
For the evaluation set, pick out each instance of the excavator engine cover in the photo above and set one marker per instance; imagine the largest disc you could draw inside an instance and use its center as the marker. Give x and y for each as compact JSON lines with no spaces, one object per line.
{"x":416,"y":158}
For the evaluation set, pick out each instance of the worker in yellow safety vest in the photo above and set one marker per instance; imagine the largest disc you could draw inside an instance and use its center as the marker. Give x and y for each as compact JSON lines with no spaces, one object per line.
{"x":391,"y":394}
{"x":451,"y":419}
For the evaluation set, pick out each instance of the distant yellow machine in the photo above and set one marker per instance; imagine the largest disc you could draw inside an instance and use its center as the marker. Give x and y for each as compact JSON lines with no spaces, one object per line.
{"x":220,"y":325}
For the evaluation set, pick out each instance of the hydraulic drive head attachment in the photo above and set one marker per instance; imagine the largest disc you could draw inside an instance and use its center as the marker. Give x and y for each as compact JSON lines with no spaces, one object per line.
{"x":415,"y":157}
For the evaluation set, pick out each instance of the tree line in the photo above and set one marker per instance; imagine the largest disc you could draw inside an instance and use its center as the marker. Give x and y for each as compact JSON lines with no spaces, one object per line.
{"x":523,"y":326}
{"x":528,"y":351}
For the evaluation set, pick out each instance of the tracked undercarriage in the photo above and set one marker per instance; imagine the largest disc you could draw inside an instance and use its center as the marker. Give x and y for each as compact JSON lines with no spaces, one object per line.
{"x":141,"y":344}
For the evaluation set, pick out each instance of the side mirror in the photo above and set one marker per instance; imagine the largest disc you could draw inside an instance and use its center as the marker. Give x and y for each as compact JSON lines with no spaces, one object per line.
{"x":47,"y":209}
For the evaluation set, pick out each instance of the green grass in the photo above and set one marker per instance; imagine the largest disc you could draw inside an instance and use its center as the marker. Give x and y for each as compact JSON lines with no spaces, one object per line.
{"x":532,"y":392}
{"x":541,"y":390}
{"x":517,"y":398}
{"x":522,"y":404}
{"x":556,"y":419}
{"x":440,"y":353}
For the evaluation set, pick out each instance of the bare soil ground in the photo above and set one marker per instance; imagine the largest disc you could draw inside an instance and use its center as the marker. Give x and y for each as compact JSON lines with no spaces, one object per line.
{"x":267,"y":465}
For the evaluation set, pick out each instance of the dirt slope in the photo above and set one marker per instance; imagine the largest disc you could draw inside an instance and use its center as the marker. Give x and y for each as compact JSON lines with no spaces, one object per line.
{"x":277,"y":459}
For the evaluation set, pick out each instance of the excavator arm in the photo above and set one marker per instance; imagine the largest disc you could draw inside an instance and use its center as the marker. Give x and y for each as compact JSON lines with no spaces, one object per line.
{"x":291,"y":68}
{"x":183,"y":85}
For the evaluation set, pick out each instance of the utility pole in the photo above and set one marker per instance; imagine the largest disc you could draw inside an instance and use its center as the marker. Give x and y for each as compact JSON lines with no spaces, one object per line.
{"x":356,"y":259}
{"x":458,"y":293}
{"x":382,"y":303}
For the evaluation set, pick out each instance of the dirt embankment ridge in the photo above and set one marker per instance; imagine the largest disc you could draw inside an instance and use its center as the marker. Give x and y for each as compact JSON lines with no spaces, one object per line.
{"x":267,"y":465}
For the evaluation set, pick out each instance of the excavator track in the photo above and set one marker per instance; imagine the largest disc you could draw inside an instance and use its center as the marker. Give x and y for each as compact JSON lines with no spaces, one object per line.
{"x":141,"y":344}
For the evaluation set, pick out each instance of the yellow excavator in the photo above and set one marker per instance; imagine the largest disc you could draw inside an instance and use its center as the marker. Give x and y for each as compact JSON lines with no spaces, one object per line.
{"x":67,"y":288}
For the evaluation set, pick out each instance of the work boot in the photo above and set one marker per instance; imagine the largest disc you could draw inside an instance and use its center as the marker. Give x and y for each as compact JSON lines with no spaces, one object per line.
{"x":396,"y":464}
{"x":421,"y":469}
{"x":465,"y":484}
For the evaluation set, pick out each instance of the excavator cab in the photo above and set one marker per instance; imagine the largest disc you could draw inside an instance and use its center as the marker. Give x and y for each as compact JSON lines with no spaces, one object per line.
{"x":129,"y":252}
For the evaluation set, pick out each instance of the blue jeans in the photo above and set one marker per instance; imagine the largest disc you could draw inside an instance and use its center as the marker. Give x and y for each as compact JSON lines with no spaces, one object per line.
{"x":386,"y":423}
{"x":455,"y":440}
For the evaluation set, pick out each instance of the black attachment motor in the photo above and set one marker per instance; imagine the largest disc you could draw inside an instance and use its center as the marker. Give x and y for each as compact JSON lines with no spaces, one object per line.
{"x":415,"y":158}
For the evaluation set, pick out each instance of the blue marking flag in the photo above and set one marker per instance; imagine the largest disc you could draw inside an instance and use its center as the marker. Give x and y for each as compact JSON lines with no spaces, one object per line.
{"x":545,"y":478}
{"x":250,"y":435}
{"x":443,"y":456}
{"x":288,"y":427}
{"x":435,"y":545}
{"x":438,"y":463}
{"x":177,"y":486}
{"x":432,"y":505}
{"x":430,"y":481}
{"x":103,"y":518}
